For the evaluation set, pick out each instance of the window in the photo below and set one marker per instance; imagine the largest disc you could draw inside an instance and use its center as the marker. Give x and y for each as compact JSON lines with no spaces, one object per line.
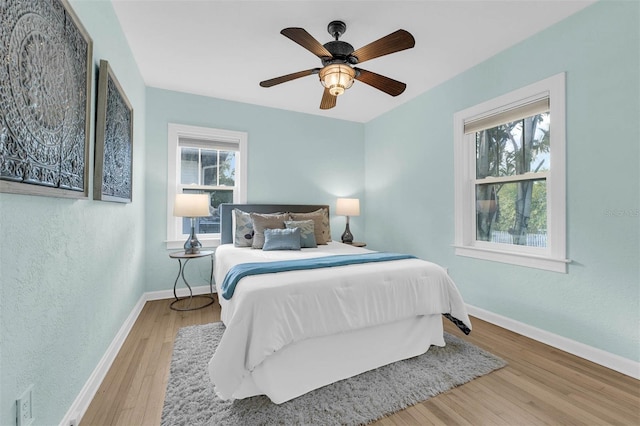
{"x":209,"y":161}
{"x":510,"y":177}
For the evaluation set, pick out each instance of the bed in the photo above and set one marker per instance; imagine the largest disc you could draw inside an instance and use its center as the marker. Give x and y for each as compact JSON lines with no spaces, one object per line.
{"x":294,"y":331}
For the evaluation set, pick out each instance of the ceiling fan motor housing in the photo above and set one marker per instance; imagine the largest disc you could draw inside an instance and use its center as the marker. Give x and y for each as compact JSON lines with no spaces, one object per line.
{"x":341,"y":52}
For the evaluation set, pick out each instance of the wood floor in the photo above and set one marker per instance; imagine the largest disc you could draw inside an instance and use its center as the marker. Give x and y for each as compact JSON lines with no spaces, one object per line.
{"x":540,"y":386}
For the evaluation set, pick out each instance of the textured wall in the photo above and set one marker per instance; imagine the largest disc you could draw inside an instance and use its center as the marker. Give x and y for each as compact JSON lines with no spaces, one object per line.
{"x":597,"y":302}
{"x":293,"y":158}
{"x":71,"y":271}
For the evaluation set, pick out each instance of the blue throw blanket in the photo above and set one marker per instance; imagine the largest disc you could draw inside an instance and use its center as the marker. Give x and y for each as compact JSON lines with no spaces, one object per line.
{"x":237,"y":272}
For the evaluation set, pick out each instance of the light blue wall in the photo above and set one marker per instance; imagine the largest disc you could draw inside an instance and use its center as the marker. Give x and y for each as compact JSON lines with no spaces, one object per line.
{"x":293,"y":158}
{"x":409,"y":163}
{"x":71,"y":270}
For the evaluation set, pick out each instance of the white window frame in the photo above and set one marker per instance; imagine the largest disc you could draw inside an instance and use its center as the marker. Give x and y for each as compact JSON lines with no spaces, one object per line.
{"x":204,"y":135}
{"x":553,"y":257}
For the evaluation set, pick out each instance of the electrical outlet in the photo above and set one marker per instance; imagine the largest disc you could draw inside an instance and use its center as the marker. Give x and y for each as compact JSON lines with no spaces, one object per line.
{"x":24,"y":408}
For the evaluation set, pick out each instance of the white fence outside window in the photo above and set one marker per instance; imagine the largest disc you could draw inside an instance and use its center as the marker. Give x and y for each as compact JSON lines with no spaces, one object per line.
{"x":533,"y":240}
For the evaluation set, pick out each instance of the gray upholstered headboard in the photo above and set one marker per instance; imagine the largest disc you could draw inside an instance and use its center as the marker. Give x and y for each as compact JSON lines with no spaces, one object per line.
{"x":226,"y":212}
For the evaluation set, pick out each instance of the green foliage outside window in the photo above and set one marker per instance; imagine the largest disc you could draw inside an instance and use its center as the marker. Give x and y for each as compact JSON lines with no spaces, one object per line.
{"x":516,"y":207}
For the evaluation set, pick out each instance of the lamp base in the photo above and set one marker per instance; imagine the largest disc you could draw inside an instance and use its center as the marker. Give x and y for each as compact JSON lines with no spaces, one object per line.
{"x":191,"y":249}
{"x":347,"y":236}
{"x":192,"y":245}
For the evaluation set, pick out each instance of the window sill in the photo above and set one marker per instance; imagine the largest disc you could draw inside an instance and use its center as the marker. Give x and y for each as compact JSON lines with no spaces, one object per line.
{"x":520,"y":259}
{"x":206,"y":243}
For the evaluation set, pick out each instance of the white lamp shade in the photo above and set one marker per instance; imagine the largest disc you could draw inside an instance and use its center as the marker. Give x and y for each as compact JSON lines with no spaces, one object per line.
{"x":191,"y":205}
{"x":348,"y":207}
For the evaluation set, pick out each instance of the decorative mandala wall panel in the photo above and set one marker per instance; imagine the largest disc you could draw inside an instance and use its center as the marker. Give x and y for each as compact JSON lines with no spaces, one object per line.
{"x":45,"y":77}
{"x":114,"y":140}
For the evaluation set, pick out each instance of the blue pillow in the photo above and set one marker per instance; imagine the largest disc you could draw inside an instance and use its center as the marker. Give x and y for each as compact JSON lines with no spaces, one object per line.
{"x":307,"y":232}
{"x":281,"y":239}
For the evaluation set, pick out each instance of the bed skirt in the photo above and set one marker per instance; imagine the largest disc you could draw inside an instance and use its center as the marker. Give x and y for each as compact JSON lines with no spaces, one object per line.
{"x":313,"y":363}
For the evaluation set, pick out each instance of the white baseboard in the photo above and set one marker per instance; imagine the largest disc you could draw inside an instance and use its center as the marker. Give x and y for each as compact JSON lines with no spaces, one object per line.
{"x":606,"y":359}
{"x":84,"y":398}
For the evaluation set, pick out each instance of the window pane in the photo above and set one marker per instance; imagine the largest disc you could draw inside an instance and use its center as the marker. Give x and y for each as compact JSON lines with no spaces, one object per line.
{"x":210,"y":224}
{"x":512,"y":213}
{"x":188,"y":166}
{"x":209,"y":167}
{"x":227,"y":168}
{"x":513,"y":148}
{"x":534,"y":132}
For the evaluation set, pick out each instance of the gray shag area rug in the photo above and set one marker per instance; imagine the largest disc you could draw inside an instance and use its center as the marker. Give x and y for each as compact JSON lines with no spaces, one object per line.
{"x":362,"y":399}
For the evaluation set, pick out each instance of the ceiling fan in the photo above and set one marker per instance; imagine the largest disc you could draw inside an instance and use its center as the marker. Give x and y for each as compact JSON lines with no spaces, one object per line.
{"x":339,"y":59}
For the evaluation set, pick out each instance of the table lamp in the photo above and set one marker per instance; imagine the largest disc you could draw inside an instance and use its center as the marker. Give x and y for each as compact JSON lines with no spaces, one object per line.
{"x":348,"y":207}
{"x":192,"y":206}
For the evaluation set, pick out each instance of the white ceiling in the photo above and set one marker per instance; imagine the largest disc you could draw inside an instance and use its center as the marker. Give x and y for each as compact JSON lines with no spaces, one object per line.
{"x":223,"y":49}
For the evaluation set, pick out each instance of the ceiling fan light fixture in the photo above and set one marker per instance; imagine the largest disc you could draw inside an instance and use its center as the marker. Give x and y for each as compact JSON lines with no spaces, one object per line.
{"x":337,"y":78}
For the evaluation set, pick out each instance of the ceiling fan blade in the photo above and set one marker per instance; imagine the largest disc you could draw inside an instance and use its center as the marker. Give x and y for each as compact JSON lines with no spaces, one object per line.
{"x":380,"y":82}
{"x":394,"y":42}
{"x":288,"y":77}
{"x":306,"y":40}
{"x":328,"y":100}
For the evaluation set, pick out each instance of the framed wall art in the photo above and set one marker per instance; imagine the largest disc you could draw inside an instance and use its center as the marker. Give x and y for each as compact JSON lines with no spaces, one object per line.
{"x":45,"y":90}
{"x":113,"y":177}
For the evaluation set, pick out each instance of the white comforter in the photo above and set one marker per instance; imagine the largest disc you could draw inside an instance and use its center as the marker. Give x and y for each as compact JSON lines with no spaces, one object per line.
{"x":269,"y":312}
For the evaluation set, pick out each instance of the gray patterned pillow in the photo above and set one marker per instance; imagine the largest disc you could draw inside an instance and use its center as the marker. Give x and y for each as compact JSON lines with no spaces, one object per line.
{"x":243,"y":236}
{"x":307,"y":235}
{"x":265,"y":221}
{"x":320,"y":219}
